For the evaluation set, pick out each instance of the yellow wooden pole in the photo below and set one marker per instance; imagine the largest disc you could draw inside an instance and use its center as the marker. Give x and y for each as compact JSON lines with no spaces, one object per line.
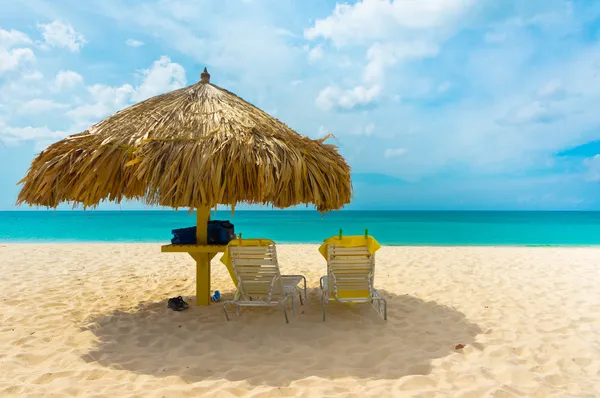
{"x":202,"y":259}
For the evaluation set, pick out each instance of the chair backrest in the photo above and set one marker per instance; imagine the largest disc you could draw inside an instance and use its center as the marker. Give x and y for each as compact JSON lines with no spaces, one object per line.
{"x":257,"y":271}
{"x":351,"y":271}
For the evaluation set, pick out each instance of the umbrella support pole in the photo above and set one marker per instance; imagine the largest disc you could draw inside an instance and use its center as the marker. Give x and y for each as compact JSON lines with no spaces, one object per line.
{"x":202,"y":259}
{"x":202,"y":253}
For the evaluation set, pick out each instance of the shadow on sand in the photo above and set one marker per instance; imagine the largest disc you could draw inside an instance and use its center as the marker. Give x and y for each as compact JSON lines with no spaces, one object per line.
{"x":199,"y":344}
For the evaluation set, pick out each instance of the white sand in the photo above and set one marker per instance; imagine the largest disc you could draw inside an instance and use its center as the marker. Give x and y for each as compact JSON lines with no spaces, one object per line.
{"x":91,"y":320}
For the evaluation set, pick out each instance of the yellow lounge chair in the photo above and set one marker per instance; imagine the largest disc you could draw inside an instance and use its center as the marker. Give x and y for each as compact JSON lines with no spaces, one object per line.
{"x":350,"y":274}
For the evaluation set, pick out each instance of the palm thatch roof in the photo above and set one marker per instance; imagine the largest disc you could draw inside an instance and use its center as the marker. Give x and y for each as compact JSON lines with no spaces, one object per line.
{"x":198,"y":146}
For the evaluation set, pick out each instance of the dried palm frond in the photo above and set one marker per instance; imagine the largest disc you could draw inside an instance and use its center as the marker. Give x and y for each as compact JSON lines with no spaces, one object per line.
{"x":194,"y":147}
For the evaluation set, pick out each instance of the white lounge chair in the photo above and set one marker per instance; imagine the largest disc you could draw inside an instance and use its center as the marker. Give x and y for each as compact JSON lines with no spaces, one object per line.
{"x":259,"y":281}
{"x":350,"y":276}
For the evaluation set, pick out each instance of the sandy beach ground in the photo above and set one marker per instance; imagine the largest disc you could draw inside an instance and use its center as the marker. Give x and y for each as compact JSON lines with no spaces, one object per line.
{"x":92,"y":320}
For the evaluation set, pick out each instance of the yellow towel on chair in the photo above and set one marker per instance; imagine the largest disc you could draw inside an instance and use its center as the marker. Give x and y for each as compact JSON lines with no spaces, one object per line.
{"x":350,"y":241}
{"x":225,"y":259}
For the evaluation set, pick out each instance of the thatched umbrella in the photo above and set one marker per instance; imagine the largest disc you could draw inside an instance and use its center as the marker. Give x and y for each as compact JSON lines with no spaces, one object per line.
{"x":195,"y":147}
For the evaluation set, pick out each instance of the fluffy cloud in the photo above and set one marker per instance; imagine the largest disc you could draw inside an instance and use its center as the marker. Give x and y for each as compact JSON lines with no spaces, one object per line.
{"x":59,"y":34}
{"x":370,"y":20}
{"x":334,"y":97}
{"x":87,"y":107}
{"x":38,"y":105}
{"x":383,"y":56}
{"x":134,"y":43}
{"x":105,"y":100}
{"x":546,"y":106}
{"x":162,"y":77}
{"x":393,"y":32}
{"x":36,"y":75}
{"x":499,"y":105}
{"x":11,"y":59}
{"x":11,"y":38}
{"x":260,"y":53}
{"x":67,"y":79}
{"x":16,"y":134}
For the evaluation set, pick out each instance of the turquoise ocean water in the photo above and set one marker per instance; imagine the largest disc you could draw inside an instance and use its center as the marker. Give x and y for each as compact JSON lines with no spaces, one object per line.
{"x":389,"y":227}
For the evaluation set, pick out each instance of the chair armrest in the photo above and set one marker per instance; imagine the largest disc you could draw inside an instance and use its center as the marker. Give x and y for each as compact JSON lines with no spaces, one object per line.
{"x":275,"y":278}
{"x":296,"y":276}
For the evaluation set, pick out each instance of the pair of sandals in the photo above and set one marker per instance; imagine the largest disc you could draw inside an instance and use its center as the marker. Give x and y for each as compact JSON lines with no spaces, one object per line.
{"x":177,"y":304}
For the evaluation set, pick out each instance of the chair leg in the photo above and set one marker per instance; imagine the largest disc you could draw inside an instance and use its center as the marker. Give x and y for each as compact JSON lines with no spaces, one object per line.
{"x":323,"y":302}
{"x":285,"y":313}
{"x":293,"y":307}
{"x":379,"y":300}
{"x":225,"y":309}
{"x":300,"y":296}
{"x":305,"y":297}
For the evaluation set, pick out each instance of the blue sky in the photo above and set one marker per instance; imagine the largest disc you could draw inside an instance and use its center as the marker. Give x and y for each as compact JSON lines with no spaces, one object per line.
{"x":436,"y":104}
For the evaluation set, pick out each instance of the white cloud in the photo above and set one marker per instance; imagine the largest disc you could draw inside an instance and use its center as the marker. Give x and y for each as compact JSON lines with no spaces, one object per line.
{"x":383,"y":56}
{"x":375,"y":19}
{"x":593,"y":168}
{"x":162,"y":77}
{"x":261,"y":59}
{"x":532,"y":112}
{"x":16,"y":134}
{"x":13,"y":59}
{"x":393,"y":153}
{"x":66,"y":79}
{"x":334,"y":97}
{"x":394,"y":32}
{"x":315,"y":53}
{"x":37,"y":75}
{"x":495,"y":81}
{"x":11,"y":38}
{"x":39,"y":105}
{"x":58,"y":34}
{"x":21,"y":85}
{"x":134,"y":43}
{"x":369,"y":129}
{"x":106,"y":100}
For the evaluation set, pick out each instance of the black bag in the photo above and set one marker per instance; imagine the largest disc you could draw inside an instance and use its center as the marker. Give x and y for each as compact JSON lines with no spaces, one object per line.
{"x":184,"y":236}
{"x":218,"y":233}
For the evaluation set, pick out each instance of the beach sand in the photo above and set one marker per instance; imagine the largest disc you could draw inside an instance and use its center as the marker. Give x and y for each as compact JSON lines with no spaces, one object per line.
{"x":92,"y":320}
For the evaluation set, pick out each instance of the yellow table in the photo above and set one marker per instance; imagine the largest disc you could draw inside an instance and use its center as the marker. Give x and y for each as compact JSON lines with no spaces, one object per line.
{"x":201,"y":253}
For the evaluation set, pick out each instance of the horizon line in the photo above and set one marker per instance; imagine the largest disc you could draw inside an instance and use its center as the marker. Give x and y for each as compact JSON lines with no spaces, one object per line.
{"x":299,"y":210}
